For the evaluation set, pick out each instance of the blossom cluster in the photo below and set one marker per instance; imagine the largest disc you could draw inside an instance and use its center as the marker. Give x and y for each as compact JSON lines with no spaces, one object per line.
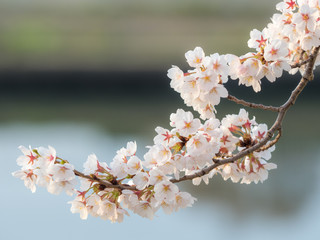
{"x":146,"y":185}
{"x":202,"y":87}
{"x":288,"y":39}
{"x":191,"y":146}
{"x":253,"y":167}
{"x":40,"y":167}
{"x":147,"y":191}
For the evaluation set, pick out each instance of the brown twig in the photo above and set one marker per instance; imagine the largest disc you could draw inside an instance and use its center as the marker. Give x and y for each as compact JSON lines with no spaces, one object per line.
{"x":271,"y":143}
{"x":104,"y":183}
{"x":253,"y":105}
{"x":301,"y":62}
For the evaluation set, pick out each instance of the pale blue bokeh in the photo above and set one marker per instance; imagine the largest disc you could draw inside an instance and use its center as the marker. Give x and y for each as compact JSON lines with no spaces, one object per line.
{"x":45,"y":216}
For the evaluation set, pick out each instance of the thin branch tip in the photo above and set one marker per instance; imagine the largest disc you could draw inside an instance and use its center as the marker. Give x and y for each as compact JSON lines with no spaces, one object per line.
{"x":252,"y":105}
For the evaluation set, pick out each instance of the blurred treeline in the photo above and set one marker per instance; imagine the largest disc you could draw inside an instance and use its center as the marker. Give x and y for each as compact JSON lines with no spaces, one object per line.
{"x":122,"y":34}
{"x":105,"y":61}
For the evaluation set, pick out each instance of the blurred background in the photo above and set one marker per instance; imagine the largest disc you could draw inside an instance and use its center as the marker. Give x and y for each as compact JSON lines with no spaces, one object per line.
{"x":88,"y":76}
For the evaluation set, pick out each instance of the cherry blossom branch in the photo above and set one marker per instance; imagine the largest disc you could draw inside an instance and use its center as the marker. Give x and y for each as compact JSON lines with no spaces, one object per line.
{"x":307,"y":76}
{"x":253,"y":105}
{"x":94,"y":178}
{"x":236,"y":147}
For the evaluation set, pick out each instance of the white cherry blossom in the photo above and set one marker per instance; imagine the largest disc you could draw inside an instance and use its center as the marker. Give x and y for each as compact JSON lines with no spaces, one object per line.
{"x":177,"y":78}
{"x":78,"y":206}
{"x":28,"y":159}
{"x":165,"y":190}
{"x":61,"y":172}
{"x":28,"y":177}
{"x":305,"y":18}
{"x":276,"y":50}
{"x":91,"y":165}
{"x":183,"y":200}
{"x":134,"y":165}
{"x":196,"y":58}
{"x":144,"y":209}
{"x":141,"y":180}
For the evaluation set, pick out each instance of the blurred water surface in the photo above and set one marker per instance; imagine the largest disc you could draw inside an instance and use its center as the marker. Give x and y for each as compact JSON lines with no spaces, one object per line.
{"x":285,"y":206}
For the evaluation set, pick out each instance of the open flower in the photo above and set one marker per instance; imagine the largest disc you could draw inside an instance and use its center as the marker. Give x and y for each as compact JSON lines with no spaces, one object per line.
{"x":61,"y":172}
{"x":165,"y":190}
{"x":196,"y":58}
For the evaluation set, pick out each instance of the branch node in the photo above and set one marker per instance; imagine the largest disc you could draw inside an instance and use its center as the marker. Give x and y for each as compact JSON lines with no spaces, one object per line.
{"x":215,"y":160}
